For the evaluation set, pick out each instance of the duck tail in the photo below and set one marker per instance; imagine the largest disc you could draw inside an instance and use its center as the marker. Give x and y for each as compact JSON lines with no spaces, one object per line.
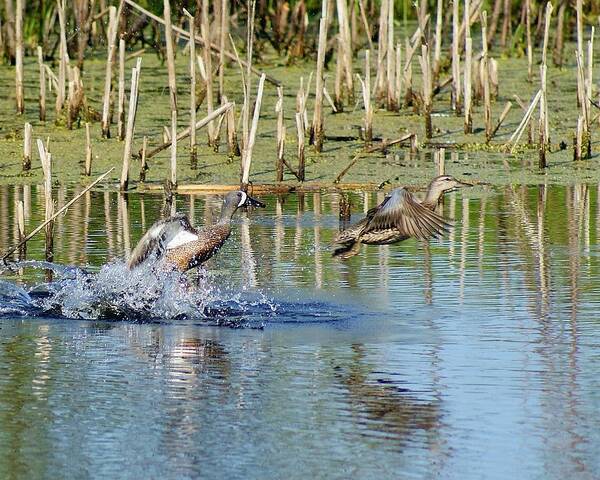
{"x":347,"y":250}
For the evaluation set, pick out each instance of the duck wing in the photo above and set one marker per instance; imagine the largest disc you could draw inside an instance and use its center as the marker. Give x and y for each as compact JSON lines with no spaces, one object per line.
{"x":402,"y":212}
{"x":163,"y":235}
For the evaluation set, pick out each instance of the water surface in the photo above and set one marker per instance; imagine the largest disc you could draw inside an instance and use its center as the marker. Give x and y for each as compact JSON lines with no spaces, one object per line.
{"x":475,"y":356}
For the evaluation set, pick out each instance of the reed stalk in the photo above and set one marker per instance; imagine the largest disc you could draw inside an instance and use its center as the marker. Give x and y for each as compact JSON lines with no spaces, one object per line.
{"x":515,"y":137}
{"x":173,"y":178}
{"x":223,"y":33}
{"x":485,"y":80}
{"x":42,"y":95}
{"x":247,"y":152}
{"x":46,"y":159}
{"x":366,"y":92}
{"x":143,"y":165}
{"x":233,"y":146}
{"x":528,"y":36}
{"x":193,"y":143}
{"x":21,"y":228}
{"x":467,"y":85}
{"x":346,"y":48}
{"x":301,"y":159}
{"x":427,"y":89}
{"x":205,"y":30}
{"x":317,"y":133}
{"x":280,"y":135}
{"x":501,"y":119}
{"x":382,"y":42}
{"x":170,"y":54}
{"x":363,"y":17}
{"x":121,"y":96}
{"x":19,"y":95}
{"x":398,"y":76}
{"x":186,"y":132}
{"x":63,"y":59}
{"x":437,"y":53}
{"x":88,"y":150}
{"x":27,"y":140}
{"x":543,"y":117}
{"x":131,"y":114}
{"x":111,"y":39}
{"x":456,"y":84}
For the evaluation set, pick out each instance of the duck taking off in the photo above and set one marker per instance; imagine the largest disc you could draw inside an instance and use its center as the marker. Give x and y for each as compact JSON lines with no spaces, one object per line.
{"x":398,"y":217}
{"x":183,"y":246}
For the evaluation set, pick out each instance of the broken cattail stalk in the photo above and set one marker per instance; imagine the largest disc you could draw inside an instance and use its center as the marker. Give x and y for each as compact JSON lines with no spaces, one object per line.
{"x":186,"y":132}
{"x":63,"y":58}
{"x":143,"y":166}
{"x":173,"y":179}
{"x":131,"y":114}
{"x":51,"y":218}
{"x":437,"y":53}
{"x":485,"y":79}
{"x":21,"y":228}
{"x":503,"y":116}
{"x":578,"y":141}
{"x":366,"y":92}
{"x":380,"y":82}
{"x":345,"y":41}
{"x":317,"y":133}
{"x":363,"y":17}
{"x":390,"y":70}
{"x":42,"y":98}
{"x":398,"y":75}
{"x":467,"y":85}
{"x":88,"y":150}
{"x":440,"y":161}
{"x":456,"y":84}
{"x":559,"y":40}
{"x":233,"y":146}
{"x":280,"y":135}
{"x":301,"y":134}
{"x":247,"y":153}
{"x":19,"y":96}
{"x":27,"y":140}
{"x":427,"y":92}
{"x":46,"y":160}
{"x":170,"y":54}
{"x":223,"y":33}
{"x":526,"y":118}
{"x":121,"y":97}
{"x":111,"y":38}
{"x":205,"y":25}
{"x":529,"y":45}
{"x":543,"y":120}
{"x":193,"y":150}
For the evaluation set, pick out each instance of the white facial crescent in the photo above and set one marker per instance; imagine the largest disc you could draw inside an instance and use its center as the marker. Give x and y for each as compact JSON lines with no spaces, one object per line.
{"x":243,"y":200}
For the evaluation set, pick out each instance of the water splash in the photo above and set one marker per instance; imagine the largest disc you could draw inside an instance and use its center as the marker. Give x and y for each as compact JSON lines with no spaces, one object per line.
{"x":144,"y":294}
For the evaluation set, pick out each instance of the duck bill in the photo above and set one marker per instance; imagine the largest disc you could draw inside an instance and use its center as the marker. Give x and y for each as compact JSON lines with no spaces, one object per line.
{"x":253,"y":202}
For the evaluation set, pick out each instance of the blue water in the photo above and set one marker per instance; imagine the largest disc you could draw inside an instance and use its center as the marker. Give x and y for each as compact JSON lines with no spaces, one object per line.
{"x":472,"y":357}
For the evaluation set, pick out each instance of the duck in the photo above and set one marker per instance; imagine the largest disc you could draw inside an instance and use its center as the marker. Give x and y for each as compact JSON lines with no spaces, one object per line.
{"x":181,"y":245}
{"x":398,"y":217}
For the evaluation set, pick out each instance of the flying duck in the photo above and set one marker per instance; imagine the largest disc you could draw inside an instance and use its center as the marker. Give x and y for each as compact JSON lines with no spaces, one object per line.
{"x":398,"y":217}
{"x":183,"y":246}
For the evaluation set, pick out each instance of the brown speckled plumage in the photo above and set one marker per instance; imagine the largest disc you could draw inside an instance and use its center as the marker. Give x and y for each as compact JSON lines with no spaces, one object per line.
{"x":399,"y":217}
{"x":182,"y":246}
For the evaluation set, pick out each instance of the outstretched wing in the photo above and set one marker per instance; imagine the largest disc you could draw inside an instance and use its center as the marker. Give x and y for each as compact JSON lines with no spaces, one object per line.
{"x":401,"y":211}
{"x":162,"y":236}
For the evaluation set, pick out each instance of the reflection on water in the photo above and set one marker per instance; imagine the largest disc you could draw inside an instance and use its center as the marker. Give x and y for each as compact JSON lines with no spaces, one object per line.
{"x":470,"y":357}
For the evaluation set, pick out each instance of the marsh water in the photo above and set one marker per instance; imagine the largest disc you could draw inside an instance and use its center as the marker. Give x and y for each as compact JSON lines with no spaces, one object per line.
{"x":475,"y":356}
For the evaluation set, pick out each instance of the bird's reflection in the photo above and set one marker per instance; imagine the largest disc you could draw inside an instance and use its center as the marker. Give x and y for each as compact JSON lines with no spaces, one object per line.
{"x":381,"y":406}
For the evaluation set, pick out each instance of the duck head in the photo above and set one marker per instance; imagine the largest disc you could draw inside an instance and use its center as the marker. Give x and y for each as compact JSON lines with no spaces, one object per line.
{"x":236,"y":199}
{"x":440,"y":185}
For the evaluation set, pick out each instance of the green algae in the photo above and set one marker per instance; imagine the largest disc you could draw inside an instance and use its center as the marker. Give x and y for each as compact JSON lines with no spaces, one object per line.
{"x":467,"y":155}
